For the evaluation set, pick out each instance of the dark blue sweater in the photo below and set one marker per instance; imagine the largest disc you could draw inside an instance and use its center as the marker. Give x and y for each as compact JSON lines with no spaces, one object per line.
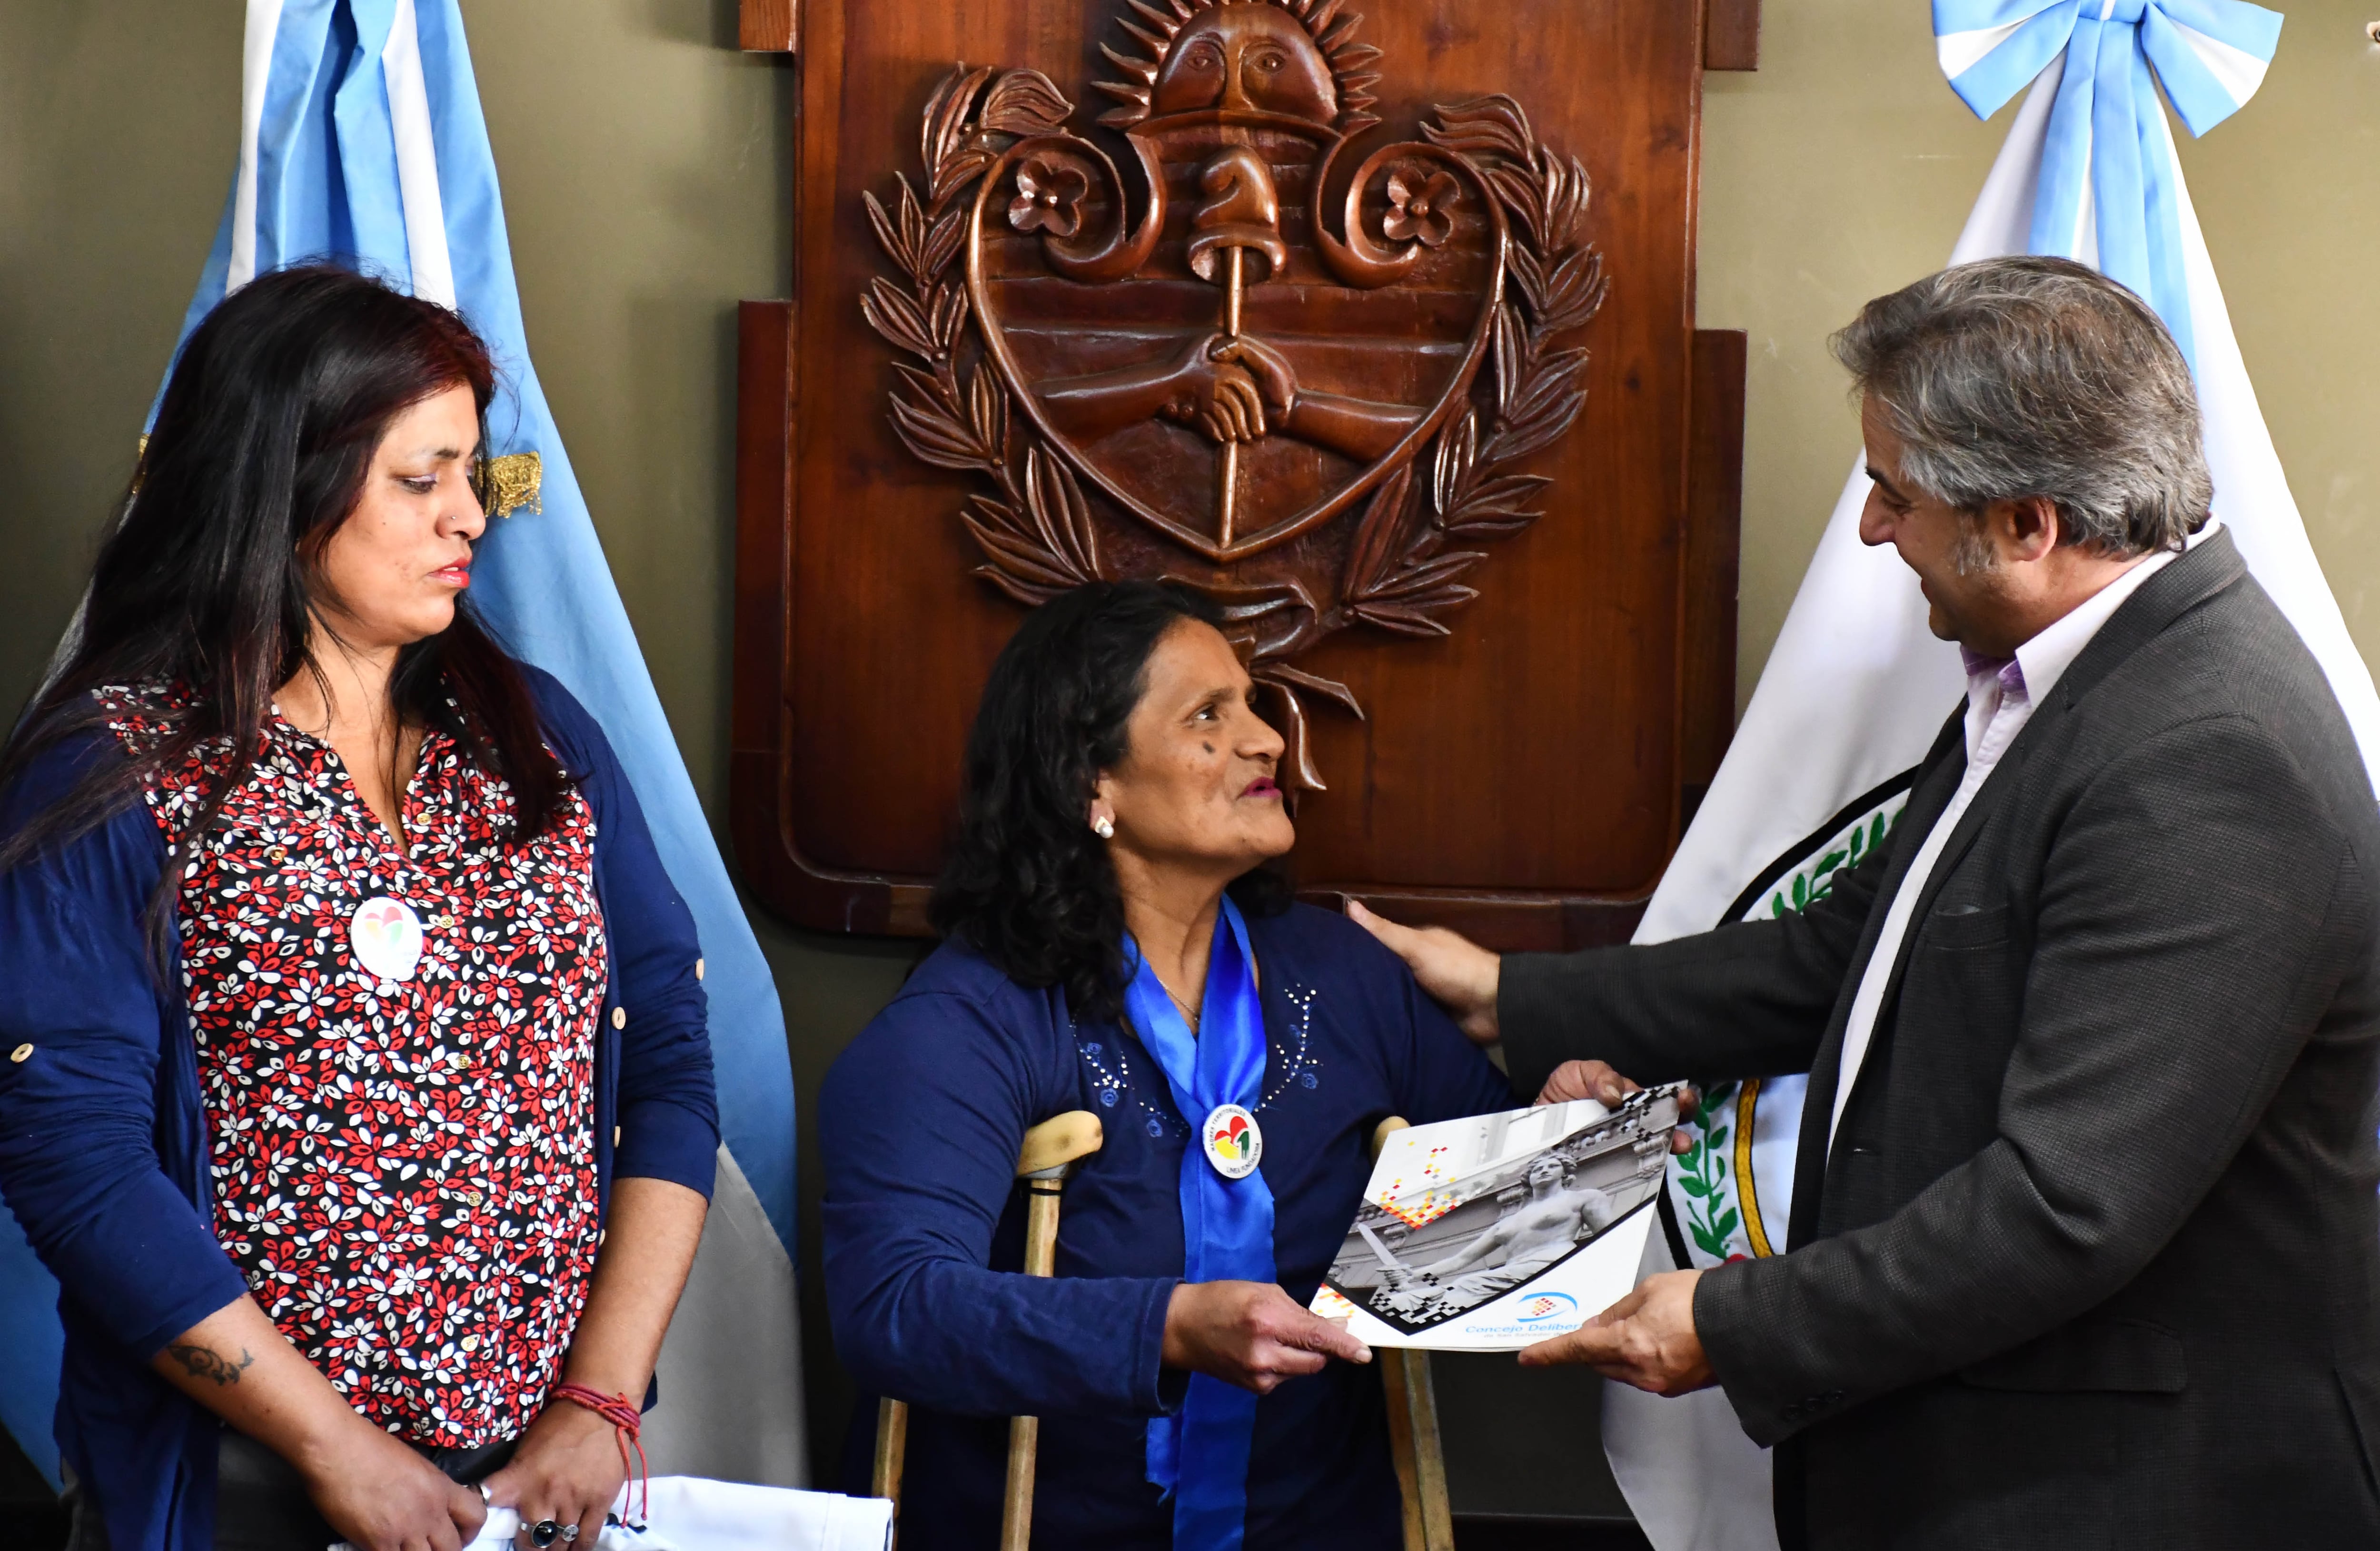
{"x":919,"y":1122}
{"x":103,"y":1138}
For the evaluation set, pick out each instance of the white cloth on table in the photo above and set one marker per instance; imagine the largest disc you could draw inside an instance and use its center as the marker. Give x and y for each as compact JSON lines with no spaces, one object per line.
{"x":689,"y":1513}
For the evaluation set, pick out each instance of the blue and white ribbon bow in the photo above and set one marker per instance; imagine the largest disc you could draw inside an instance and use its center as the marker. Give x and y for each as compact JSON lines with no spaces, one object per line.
{"x":2108,"y":190}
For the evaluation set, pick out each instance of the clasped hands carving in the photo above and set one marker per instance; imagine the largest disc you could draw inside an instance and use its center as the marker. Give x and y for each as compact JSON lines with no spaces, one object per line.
{"x":1222,"y":386}
{"x":1231,"y":390}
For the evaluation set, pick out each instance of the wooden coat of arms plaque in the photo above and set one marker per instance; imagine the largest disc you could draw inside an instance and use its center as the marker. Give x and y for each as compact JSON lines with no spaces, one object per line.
{"x":1376,"y":327}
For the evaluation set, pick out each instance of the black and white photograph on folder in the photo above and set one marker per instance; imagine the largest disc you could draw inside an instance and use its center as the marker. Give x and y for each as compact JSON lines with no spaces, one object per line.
{"x":1497,"y":1231}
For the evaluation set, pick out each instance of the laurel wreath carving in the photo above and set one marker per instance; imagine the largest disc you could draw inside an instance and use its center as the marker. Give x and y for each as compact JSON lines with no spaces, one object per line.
{"x":1409,"y":556}
{"x":1401,"y":575}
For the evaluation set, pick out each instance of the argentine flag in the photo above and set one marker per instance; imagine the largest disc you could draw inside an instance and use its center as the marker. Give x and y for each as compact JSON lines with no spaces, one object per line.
{"x":1856,"y":685}
{"x":361,"y":140}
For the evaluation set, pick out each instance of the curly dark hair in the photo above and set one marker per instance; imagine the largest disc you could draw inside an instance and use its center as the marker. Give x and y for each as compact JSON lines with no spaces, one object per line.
{"x":1027,"y":884}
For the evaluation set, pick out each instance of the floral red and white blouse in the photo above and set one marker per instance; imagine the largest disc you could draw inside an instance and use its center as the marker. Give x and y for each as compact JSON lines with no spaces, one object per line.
{"x":404,"y":1170}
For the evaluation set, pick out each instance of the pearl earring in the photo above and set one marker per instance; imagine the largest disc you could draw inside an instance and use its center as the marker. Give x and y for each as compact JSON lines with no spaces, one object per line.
{"x":1103,"y":827}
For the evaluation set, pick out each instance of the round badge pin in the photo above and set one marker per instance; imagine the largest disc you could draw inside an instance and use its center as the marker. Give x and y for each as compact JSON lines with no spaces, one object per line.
{"x":385,"y":936}
{"x":1234,"y":1145}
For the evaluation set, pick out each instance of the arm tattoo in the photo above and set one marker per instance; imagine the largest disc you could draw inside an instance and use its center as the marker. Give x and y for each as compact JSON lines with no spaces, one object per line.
{"x":201,"y":1362}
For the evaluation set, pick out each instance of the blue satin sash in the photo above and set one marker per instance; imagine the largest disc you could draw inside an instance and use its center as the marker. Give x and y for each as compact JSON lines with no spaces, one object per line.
{"x":1201,"y":1455}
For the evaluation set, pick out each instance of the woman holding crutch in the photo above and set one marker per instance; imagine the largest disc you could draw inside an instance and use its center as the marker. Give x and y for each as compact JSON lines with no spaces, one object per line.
{"x":357,"y":1088}
{"x":1114,"y":943}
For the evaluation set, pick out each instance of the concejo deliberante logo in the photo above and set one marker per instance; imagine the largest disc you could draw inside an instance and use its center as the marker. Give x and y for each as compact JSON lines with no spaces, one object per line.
{"x":1545,"y":1306}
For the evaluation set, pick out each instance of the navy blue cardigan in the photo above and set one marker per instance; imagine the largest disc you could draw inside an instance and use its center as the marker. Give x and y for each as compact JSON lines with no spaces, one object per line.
{"x":919,"y":1123}
{"x":103,"y":1137}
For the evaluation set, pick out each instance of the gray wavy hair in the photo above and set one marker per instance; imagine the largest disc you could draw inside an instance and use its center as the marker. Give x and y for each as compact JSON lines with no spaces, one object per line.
{"x":2029,"y":376}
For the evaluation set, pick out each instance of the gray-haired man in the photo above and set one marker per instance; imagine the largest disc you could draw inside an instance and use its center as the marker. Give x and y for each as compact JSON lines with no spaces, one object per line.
{"x":2085,"y":1246}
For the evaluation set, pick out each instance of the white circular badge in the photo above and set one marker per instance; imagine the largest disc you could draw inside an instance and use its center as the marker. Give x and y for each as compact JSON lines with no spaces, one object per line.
{"x":385,"y":936}
{"x":1234,"y":1146}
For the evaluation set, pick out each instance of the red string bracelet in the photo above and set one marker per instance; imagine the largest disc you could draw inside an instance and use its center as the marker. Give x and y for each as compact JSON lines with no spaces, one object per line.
{"x":627,"y":1423}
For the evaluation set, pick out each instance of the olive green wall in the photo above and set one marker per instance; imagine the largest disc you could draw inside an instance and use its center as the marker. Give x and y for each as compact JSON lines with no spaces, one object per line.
{"x":1844,"y":168}
{"x":645,"y":166}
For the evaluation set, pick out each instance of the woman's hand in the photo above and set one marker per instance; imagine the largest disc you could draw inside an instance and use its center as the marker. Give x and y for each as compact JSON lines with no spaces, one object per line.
{"x":1251,"y":1335}
{"x":377,"y":1493}
{"x":1596,"y":1080}
{"x":567,"y":1468}
{"x":382,"y":1496}
{"x":1459,"y":975}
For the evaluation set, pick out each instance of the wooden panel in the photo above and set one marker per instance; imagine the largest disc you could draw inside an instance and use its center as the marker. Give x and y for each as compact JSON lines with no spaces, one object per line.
{"x":766,"y":27}
{"x":1518,"y":775}
{"x":766,"y":843}
{"x":1730,"y":34}
{"x":1714,"y":532}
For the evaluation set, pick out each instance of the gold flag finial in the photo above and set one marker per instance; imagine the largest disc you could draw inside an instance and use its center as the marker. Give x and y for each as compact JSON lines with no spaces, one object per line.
{"x":511,"y":483}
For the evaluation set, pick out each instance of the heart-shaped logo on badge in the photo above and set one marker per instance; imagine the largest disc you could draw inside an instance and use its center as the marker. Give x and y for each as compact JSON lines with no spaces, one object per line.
{"x":1233,"y":1143}
{"x":385,"y":936}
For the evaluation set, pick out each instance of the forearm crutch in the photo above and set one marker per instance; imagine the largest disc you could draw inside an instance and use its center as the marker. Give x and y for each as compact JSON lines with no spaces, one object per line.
{"x":1050,"y":1152}
{"x":1412,"y":1425}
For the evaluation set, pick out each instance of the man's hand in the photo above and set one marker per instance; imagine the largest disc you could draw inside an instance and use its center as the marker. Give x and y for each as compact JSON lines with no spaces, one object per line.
{"x":1596,"y":1080}
{"x":1250,"y":1333}
{"x":567,"y":1468}
{"x":1459,"y":975}
{"x":1648,"y":1339}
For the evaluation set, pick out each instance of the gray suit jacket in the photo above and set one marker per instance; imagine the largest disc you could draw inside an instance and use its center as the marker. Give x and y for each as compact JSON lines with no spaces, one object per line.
{"x":2095,"y":1258}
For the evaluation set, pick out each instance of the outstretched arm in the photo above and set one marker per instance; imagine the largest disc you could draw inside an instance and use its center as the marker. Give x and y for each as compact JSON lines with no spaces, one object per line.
{"x":1194,"y":386}
{"x":1362,"y":428}
{"x":2138,"y":1075}
{"x":1492,"y":1242}
{"x":1750,"y":998}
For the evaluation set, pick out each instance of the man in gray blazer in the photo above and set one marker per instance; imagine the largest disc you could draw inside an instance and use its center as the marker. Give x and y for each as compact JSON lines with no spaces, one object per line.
{"x":2084,"y":1248}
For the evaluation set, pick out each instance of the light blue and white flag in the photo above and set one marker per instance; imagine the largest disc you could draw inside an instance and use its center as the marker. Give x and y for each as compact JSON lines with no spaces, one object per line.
{"x":361,"y":140}
{"x":1856,"y":687}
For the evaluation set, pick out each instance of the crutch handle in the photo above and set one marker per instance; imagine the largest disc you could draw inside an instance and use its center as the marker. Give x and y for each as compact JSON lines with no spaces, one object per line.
{"x":1050,"y":1152}
{"x":1059,"y":1141}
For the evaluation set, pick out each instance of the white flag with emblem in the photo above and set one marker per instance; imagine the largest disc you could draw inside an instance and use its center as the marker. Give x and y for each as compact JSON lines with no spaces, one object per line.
{"x":1856,"y":687}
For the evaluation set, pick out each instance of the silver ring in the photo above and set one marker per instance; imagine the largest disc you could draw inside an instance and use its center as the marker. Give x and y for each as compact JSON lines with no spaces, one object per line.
{"x":544,"y":1532}
{"x":485,"y":1496}
{"x":569,"y":1533}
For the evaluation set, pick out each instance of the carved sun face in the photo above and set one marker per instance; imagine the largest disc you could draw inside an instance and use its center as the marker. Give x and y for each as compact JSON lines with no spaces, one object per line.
{"x":1295,"y":58}
{"x":1248,"y":58}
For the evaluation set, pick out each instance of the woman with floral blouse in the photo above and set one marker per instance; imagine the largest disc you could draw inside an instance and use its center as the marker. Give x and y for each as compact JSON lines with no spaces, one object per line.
{"x":353,"y":1079}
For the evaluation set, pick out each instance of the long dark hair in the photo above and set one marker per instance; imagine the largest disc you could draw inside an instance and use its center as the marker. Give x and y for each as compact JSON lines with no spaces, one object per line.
{"x":1027,"y":884}
{"x":208,"y":579}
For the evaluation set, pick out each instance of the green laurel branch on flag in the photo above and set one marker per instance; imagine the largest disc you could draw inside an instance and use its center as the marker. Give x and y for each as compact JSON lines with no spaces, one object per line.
{"x":1708,"y":1178}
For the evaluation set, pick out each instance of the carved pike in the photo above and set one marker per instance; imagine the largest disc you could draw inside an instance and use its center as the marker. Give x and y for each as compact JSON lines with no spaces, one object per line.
{"x":1241,"y":212}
